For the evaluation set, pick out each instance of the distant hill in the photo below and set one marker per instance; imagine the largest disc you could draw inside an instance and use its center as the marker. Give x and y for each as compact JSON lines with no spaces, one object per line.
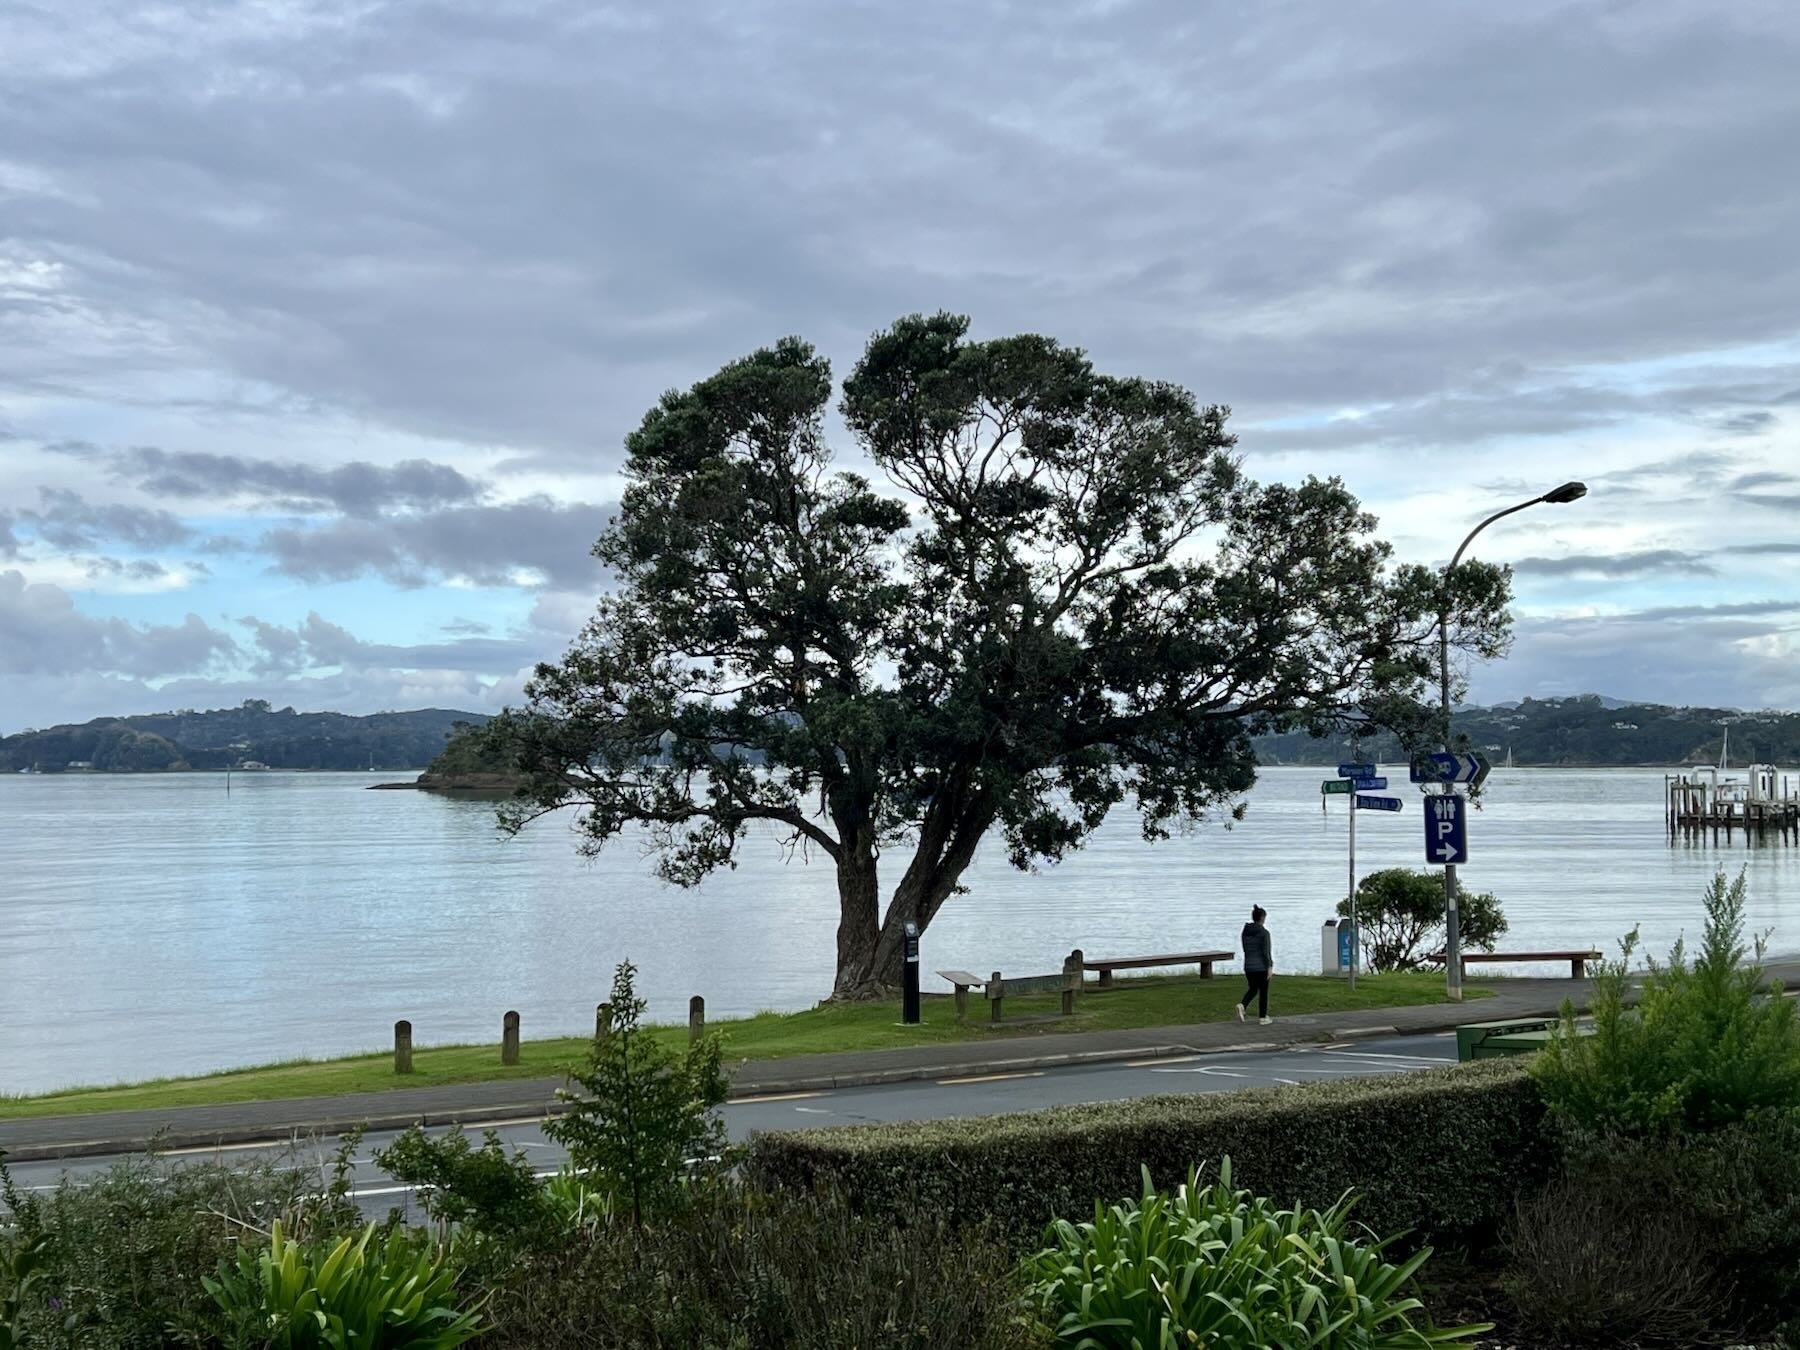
{"x":253,"y":734}
{"x":1589,"y":732}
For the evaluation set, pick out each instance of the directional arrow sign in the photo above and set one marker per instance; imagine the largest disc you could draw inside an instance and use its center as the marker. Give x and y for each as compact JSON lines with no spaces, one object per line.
{"x":1446,"y":829}
{"x":1356,"y":771}
{"x":1368,"y":784}
{"x":1332,"y":787}
{"x":1440,"y":767}
{"x":1378,"y":803}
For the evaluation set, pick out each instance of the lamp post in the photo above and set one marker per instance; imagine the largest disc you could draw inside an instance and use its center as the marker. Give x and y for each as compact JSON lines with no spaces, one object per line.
{"x":1568,"y":492}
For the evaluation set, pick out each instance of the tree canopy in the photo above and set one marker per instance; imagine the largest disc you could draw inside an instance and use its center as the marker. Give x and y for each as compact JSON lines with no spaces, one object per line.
{"x":1068,"y":596}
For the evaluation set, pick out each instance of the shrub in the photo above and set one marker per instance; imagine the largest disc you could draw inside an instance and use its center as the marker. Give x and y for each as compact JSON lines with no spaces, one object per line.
{"x":121,"y":1253}
{"x":19,"y":1262}
{"x":1401,"y":915}
{"x":1220,"y":1267}
{"x":738,"y":1269}
{"x":645,"y":1115}
{"x":483,"y":1190}
{"x":1709,"y":1043}
{"x":1443,"y":1150}
{"x":392,"y":1292}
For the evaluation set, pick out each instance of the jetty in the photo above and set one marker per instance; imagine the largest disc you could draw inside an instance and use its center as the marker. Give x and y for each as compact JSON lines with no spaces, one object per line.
{"x":1762,"y":804}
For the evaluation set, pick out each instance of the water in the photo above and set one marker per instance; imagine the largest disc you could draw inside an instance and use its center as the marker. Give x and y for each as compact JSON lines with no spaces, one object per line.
{"x":158,"y":925}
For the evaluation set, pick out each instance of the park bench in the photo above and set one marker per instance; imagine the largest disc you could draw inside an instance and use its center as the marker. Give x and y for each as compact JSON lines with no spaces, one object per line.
{"x":1107,"y":965}
{"x":1578,"y":961}
{"x":996,"y":987}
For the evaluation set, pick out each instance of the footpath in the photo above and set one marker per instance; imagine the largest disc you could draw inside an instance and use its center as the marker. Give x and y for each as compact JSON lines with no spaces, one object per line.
{"x":475,"y":1104}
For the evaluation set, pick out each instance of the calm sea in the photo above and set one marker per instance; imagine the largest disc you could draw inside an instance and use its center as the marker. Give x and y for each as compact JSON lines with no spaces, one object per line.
{"x":160,"y":925}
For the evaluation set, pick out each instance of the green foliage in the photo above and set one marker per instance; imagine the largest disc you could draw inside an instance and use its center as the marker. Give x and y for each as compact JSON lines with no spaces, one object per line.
{"x":1442,"y":1151}
{"x":576,"y":1207}
{"x":645,"y":1118}
{"x":484,"y":1190}
{"x":1094,"y":608}
{"x":119,"y":1254}
{"x":20,"y":1269}
{"x":1401,"y":914}
{"x":738,"y":1269}
{"x":1214,"y":1266}
{"x":381,"y":1291}
{"x":1709,"y":1042}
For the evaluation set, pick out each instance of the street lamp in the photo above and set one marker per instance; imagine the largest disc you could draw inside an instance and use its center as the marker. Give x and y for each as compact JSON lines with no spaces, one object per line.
{"x":1568,"y":492}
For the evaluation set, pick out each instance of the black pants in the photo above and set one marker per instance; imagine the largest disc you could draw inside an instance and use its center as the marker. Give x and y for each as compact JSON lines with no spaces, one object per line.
{"x":1258,"y":990}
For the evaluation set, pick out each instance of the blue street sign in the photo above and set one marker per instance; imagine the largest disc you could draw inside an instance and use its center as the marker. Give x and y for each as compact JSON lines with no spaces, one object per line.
{"x":1356,"y":771}
{"x":1446,"y":829}
{"x":1368,"y":784}
{"x":1440,"y":767}
{"x":1378,"y":803}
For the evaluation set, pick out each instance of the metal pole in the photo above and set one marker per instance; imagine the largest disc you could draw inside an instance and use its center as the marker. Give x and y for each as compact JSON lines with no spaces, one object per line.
{"x":1355,"y":944}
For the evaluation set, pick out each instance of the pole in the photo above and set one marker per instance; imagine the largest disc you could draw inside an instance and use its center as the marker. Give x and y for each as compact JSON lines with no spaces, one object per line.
{"x":1355,"y":945}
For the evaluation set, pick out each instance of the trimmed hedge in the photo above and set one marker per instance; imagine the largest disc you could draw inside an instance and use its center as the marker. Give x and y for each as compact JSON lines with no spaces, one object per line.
{"x":1443,"y":1151}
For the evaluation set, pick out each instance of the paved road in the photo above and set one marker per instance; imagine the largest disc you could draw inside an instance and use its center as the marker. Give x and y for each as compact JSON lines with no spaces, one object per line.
{"x":975,"y":1095}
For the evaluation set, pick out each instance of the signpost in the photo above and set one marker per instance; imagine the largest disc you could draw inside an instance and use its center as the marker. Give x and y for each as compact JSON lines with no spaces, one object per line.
{"x":1447,"y":829}
{"x":1352,"y":781}
{"x":1356,"y":771}
{"x":1442,"y":766}
{"x":1368,"y":784}
{"x":1334,"y":787}
{"x":1378,"y":803}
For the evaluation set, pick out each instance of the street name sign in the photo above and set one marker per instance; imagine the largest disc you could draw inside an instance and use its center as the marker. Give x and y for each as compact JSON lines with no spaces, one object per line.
{"x":1446,"y":829}
{"x":1442,"y":767}
{"x":1378,"y":803}
{"x":1368,"y":784}
{"x":1356,"y":771}
{"x":1332,"y":787}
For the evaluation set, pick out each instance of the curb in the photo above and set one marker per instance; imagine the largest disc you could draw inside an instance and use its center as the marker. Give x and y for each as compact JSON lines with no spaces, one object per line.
{"x":538,"y":1108}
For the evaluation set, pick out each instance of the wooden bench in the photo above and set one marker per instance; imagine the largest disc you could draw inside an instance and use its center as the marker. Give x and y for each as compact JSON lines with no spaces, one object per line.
{"x":1578,"y":961}
{"x":996,"y":987}
{"x":1107,"y":965}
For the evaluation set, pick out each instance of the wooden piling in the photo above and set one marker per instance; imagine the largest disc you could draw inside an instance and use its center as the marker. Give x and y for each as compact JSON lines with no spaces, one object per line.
{"x":403,"y":1046}
{"x":509,"y":1038}
{"x":696,"y":1018}
{"x":602,"y":1021}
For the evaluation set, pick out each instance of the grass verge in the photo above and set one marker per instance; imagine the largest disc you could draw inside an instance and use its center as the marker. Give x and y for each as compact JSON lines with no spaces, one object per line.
{"x":1150,"y":1002}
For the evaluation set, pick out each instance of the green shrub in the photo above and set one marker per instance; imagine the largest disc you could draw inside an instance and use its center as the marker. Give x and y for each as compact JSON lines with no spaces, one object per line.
{"x":1443,"y":1151}
{"x":1219,"y":1267}
{"x":121,"y":1253}
{"x":387,"y":1292}
{"x":483,"y":1190}
{"x":1401,"y":915}
{"x":645,"y":1115}
{"x":1708,"y":1044}
{"x":19,"y":1271}
{"x":738,"y":1269}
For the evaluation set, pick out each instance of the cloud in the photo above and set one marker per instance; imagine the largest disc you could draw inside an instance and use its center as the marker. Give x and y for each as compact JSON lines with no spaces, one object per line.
{"x":1650,"y":562}
{"x":520,"y":543}
{"x":42,"y":633}
{"x":1748,"y":423}
{"x":357,"y":488}
{"x":66,"y":520}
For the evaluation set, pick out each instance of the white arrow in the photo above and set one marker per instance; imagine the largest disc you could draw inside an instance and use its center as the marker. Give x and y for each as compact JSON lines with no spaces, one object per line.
{"x":1445,"y":851}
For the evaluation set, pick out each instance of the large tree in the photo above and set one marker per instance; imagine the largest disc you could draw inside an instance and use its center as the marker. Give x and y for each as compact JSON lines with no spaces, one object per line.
{"x":1070,"y":598}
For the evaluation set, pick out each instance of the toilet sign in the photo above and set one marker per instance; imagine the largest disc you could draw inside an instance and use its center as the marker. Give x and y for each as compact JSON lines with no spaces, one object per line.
{"x":1446,"y":828}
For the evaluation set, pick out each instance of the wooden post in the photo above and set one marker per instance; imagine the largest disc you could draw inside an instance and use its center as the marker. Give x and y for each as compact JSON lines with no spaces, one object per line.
{"x":602,"y":1021}
{"x":403,"y":1046}
{"x":1071,"y":982}
{"x":696,"y":1018}
{"x":962,"y":1002}
{"x":996,"y":995}
{"x":509,"y":1038}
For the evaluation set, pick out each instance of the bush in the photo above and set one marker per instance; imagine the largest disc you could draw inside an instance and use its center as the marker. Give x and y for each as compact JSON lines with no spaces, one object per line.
{"x":739,"y":1269}
{"x":645,"y":1115}
{"x":483,"y":1190}
{"x":1218,"y":1267}
{"x":392,"y":1292}
{"x":1443,"y":1150}
{"x":121,"y":1254}
{"x":1401,"y":915}
{"x":1708,"y":1044}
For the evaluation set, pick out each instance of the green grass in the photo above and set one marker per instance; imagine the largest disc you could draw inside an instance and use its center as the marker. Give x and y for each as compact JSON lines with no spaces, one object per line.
{"x":1152,"y":1002}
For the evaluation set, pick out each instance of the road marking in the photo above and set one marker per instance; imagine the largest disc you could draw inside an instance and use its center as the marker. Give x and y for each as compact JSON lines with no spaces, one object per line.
{"x":503,"y":1124}
{"x":815,"y":1110}
{"x":230,"y":1148}
{"x":989,"y":1078}
{"x":1166,"y":1059}
{"x":1376,"y":1054}
{"x":1341,"y":1045}
{"x":773,"y":1097}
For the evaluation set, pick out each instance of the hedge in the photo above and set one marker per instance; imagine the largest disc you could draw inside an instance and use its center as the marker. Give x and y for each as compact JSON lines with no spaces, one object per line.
{"x":1443,"y":1151}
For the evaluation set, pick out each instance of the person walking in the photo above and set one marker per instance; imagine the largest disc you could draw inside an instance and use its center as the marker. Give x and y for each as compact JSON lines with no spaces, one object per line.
{"x":1259,"y":962}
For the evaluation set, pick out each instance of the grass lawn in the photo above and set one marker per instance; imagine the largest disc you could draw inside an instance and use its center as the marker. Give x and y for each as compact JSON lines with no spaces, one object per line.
{"x":1150,"y":1002}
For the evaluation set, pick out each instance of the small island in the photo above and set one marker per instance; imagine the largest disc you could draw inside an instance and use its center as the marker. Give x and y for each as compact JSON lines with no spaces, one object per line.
{"x":469,"y":765}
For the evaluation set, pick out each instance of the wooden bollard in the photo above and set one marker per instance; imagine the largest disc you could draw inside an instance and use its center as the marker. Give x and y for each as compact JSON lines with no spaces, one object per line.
{"x":996,"y":995}
{"x":509,"y":1039}
{"x":602,"y":1021}
{"x":1072,"y":978}
{"x":696,"y":1018}
{"x":403,"y":1046}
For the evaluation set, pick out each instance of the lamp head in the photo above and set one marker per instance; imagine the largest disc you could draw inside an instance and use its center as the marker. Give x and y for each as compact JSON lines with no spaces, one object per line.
{"x":1568,"y":492}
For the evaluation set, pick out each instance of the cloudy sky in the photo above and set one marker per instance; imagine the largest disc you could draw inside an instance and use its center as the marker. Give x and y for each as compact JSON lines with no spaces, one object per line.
{"x":321,"y":321}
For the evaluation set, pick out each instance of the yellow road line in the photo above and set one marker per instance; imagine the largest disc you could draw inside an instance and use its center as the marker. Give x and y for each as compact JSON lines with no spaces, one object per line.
{"x":773,"y":1097}
{"x":990,"y":1078}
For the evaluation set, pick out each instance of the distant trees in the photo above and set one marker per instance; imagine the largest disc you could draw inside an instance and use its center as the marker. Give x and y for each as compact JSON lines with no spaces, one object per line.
{"x":1072,"y":598}
{"x":1401,"y":915}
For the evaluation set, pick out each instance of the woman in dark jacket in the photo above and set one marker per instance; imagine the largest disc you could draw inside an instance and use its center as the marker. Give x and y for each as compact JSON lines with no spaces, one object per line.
{"x":1259,"y":961}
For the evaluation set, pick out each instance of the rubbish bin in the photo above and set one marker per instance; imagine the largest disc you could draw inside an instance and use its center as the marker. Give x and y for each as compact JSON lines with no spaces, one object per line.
{"x":1337,"y":946}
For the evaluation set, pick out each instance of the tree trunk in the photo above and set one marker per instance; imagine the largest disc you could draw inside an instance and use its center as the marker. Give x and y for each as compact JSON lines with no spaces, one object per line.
{"x":859,"y":907}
